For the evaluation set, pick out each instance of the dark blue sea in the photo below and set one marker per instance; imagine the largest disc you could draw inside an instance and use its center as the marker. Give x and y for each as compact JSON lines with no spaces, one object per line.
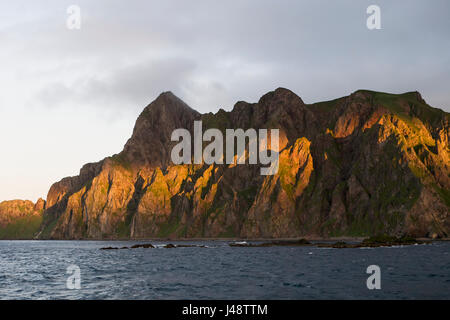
{"x":38,"y":270}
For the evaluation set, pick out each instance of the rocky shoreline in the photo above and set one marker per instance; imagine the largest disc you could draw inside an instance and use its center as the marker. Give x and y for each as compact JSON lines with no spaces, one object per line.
{"x":378,"y":241}
{"x":150,"y":246}
{"x":277,"y":243}
{"x":371,"y":242}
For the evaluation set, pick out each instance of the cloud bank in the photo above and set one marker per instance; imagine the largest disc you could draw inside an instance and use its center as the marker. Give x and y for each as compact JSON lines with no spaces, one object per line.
{"x":71,"y":96}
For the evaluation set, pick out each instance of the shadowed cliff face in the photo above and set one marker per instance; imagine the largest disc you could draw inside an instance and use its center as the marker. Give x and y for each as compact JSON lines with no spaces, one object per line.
{"x":359,"y":165}
{"x":150,"y":144}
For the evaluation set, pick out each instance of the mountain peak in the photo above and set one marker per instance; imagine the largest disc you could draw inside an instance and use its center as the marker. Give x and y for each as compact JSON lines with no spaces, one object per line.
{"x":150,"y":142}
{"x":167,"y":102}
{"x":167,"y":95}
{"x":281,"y":94}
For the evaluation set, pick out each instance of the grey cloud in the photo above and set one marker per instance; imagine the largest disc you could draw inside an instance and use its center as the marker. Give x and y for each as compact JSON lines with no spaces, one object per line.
{"x":134,"y":85}
{"x":210,"y":53}
{"x":319,"y":49}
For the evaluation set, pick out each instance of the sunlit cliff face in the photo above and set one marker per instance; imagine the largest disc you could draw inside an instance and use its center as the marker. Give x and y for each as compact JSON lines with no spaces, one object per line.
{"x":369,"y":163}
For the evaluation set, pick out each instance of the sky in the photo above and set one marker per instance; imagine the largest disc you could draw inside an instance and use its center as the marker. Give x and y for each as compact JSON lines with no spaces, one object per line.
{"x":71,"y":96}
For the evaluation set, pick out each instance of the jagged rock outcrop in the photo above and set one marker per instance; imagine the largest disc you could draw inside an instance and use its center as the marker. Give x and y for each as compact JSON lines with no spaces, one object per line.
{"x":20,"y":219}
{"x":360,"y":165}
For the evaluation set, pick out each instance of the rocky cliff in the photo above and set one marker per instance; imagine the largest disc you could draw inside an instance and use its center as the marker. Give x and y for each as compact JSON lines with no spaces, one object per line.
{"x":20,"y":219}
{"x":360,"y":165}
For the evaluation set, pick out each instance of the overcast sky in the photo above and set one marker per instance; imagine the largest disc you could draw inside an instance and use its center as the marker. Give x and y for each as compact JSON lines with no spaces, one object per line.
{"x":68,"y":97}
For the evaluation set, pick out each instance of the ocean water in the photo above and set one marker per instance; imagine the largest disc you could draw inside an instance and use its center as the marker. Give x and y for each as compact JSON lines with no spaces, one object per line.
{"x":38,"y":270}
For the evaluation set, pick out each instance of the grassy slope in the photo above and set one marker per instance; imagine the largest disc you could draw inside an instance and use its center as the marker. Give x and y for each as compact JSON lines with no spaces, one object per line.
{"x":23,"y":228}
